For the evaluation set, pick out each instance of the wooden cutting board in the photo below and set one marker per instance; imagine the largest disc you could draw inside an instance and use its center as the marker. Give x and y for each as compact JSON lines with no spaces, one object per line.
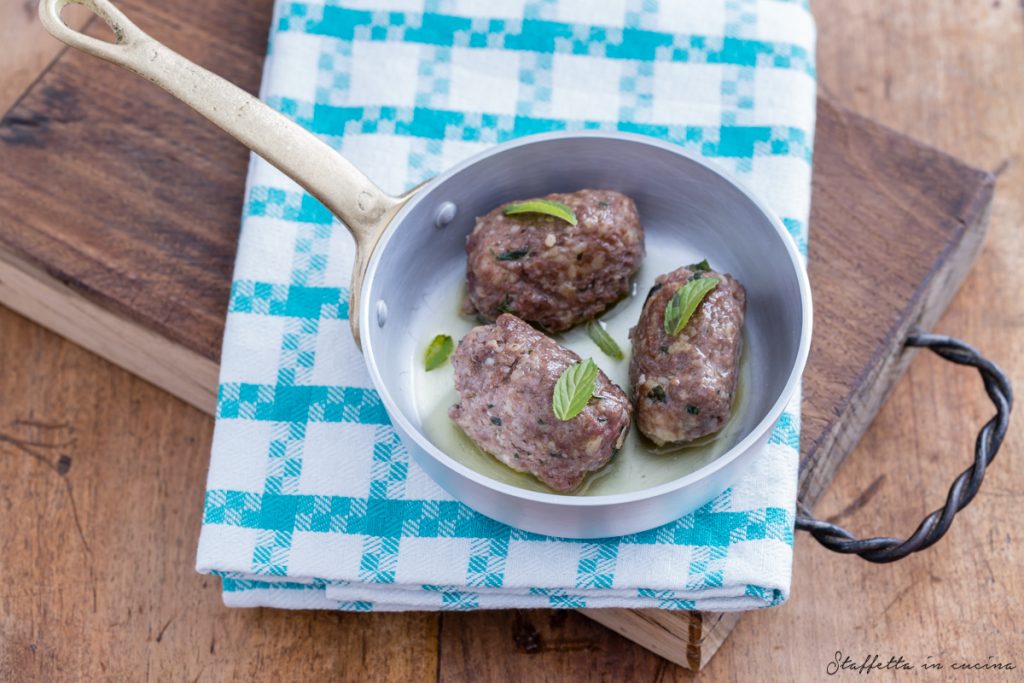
{"x":119,"y":213}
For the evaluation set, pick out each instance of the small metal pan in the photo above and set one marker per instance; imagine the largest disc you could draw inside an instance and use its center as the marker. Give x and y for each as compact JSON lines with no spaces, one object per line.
{"x":407,"y":247}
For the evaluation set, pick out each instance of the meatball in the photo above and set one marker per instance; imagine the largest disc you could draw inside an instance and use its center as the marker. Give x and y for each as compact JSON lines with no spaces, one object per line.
{"x":684,"y":384}
{"x":548,"y":272}
{"x":505,"y":374}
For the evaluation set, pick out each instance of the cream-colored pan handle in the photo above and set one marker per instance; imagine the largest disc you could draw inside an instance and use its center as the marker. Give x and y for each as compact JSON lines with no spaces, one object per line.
{"x":324,"y":173}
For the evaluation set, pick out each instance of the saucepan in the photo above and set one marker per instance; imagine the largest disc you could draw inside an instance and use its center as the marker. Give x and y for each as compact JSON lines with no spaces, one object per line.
{"x":407,"y":247}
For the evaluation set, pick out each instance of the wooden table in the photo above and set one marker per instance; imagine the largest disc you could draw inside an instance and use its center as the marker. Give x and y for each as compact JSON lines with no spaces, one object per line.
{"x":96,"y":578}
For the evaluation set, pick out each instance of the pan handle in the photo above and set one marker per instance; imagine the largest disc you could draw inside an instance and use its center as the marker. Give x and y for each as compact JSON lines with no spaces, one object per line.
{"x":884,"y":549}
{"x":299,"y":154}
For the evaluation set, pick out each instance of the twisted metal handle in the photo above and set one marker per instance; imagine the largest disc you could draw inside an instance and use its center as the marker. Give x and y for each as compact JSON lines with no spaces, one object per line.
{"x":990,"y":438}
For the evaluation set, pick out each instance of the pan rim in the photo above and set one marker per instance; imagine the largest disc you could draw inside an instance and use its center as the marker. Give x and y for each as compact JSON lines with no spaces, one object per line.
{"x":742,"y":447}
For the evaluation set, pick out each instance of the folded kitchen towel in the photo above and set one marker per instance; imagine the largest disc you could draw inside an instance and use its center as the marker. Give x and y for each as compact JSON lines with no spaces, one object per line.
{"x":312,"y":501}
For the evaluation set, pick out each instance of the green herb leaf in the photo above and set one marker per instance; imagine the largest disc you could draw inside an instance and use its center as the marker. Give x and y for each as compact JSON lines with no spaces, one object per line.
{"x":438,"y":351}
{"x":684,"y":302}
{"x":604,"y":341}
{"x":701,"y":267}
{"x":544,"y":206}
{"x":513,"y":255}
{"x":574,"y":389}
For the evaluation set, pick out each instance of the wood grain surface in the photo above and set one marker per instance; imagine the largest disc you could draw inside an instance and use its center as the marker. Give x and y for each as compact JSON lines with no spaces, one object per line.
{"x":27,"y":47}
{"x":99,"y":469}
{"x":122,"y":160}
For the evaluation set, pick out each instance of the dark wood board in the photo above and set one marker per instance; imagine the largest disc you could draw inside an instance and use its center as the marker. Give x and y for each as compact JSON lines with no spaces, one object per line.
{"x":120,"y":207}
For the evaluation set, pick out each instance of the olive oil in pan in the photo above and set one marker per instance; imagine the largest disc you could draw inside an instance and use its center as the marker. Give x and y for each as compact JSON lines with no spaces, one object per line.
{"x":638,"y":464}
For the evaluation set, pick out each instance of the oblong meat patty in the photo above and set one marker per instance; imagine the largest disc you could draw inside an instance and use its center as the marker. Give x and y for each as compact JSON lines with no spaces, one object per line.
{"x":684,"y":384}
{"x":505,"y":374}
{"x":549,"y":272}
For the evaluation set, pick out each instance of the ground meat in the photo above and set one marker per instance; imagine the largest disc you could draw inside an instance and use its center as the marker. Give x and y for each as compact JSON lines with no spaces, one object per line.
{"x":505,"y":374}
{"x":548,"y":272}
{"x":684,"y":384}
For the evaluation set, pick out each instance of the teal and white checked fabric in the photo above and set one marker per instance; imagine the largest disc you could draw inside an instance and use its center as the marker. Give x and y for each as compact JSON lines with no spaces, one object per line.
{"x":311,"y":499}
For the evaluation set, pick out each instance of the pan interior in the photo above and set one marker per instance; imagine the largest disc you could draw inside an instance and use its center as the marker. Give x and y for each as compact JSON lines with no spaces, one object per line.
{"x":688,"y":211}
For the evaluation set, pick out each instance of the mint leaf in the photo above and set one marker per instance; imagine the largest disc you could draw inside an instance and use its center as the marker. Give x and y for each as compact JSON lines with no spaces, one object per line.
{"x":574,"y":389}
{"x":684,"y":302}
{"x":604,"y":341}
{"x":544,"y":206}
{"x":438,"y":351}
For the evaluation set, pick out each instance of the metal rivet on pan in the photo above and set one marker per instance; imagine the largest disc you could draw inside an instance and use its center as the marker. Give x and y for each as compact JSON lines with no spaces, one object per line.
{"x":445,"y":214}
{"x":382,"y":313}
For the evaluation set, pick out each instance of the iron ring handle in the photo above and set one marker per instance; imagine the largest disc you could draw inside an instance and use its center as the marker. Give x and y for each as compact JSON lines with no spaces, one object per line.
{"x":887,"y":549}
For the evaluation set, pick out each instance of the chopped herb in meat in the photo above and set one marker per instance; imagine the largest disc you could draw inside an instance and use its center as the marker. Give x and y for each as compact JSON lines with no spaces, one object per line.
{"x":693,"y":410}
{"x":496,"y":421}
{"x":697,"y":270}
{"x":513,"y":255}
{"x":653,"y":289}
{"x":506,"y":304}
{"x":657,"y":394}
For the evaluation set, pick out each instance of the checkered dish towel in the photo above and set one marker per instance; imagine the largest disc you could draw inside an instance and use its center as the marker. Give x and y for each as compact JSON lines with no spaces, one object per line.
{"x":312,"y":501}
